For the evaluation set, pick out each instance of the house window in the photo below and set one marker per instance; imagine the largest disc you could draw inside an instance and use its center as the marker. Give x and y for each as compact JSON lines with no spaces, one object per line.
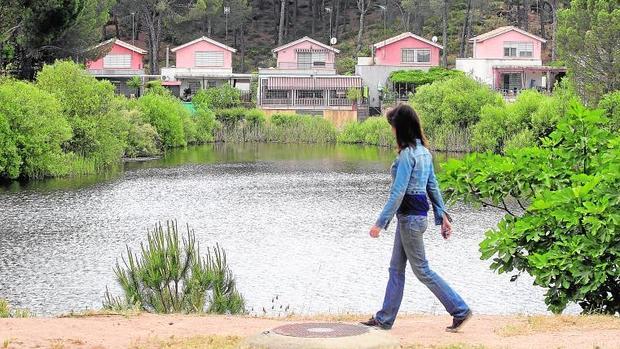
{"x":193,"y":85}
{"x":309,"y":59}
{"x":310,"y":94}
{"x":518,"y":49}
{"x":412,"y":55}
{"x":117,"y":61}
{"x":208,"y":59}
{"x":211,"y":83}
{"x":276,"y":94}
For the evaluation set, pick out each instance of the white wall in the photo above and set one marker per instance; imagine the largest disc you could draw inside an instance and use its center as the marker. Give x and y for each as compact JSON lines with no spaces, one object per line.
{"x":373,"y":75}
{"x":482,"y":69}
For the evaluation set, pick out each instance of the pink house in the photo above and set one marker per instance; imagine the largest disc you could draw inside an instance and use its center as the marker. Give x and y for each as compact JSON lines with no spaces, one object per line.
{"x":304,"y":80}
{"x":509,"y":59}
{"x":404,"y":51}
{"x":200,"y":64}
{"x":306,"y":53}
{"x":118,"y":61}
{"x":407,"y":50}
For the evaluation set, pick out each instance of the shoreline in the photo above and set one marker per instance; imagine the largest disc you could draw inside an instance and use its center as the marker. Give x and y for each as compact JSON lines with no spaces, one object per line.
{"x":141,"y":330}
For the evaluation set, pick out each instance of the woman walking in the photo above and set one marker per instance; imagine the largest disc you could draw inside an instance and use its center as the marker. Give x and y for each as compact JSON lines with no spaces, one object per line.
{"x":413,"y":180}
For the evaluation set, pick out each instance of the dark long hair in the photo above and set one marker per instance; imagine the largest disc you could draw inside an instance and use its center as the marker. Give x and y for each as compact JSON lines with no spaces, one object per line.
{"x":408,"y":126}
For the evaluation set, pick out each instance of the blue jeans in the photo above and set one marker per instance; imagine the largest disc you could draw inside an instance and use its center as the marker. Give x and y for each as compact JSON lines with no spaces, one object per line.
{"x":409,"y":245}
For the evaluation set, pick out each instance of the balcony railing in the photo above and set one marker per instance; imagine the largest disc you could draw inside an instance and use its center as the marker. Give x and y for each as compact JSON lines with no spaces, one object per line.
{"x":307,"y":66}
{"x":306,"y":102}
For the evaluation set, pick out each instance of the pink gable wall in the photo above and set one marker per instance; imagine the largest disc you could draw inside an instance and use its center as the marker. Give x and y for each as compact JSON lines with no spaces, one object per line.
{"x":288,"y":55}
{"x":185,"y":56}
{"x":391,"y":54}
{"x":136,"y":58}
{"x":494,"y":47}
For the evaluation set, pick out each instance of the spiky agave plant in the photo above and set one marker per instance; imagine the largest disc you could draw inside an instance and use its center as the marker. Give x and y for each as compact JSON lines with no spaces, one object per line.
{"x":171,"y":276}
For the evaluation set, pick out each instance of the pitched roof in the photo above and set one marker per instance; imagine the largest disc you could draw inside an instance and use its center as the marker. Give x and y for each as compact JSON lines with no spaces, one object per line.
{"x":204,"y":38}
{"x":501,"y":30}
{"x":122,"y":44}
{"x":305,"y":38}
{"x":404,"y":36}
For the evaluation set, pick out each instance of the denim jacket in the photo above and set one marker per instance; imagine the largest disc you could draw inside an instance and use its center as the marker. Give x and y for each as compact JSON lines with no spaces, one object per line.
{"x":413,"y":173}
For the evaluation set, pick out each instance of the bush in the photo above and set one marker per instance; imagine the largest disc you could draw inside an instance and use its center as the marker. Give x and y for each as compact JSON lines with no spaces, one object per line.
{"x":373,"y":131}
{"x":563,"y":226}
{"x":98,"y":132}
{"x":530,"y":118}
{"x":32,"y":130}
{"x":611,"y":104}
{"x":168,"y":116}
{"x":142,"y":137}
{"x":346,"y":65}
{"x":170,"y":276}
{"x":419,"y":77}
{"x":221,"y":97}
{"x":205,"y":126}
{"x":452,"y":106}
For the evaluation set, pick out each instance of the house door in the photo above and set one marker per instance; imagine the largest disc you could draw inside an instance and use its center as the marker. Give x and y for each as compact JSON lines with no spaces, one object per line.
{"x":512,"y":82}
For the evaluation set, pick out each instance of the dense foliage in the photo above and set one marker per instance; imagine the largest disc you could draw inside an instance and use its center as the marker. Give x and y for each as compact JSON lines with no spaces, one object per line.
{"x":563,"y":210}
{"x":32,"y":132}
{"x":99,"y":132}
{"x":419,"y":77}
{"x":524,"y":122}
{"x":449,"y":108}
{"x":611,"y":104}
{"x":587,"y":39}
{"x":69,"y":123}
{"x":221,"y":97}
{"x":170,"y":276}
{"x":373,"y":131}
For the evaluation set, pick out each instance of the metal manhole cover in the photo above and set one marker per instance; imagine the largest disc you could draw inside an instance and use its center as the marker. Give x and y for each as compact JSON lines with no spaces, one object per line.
{"x":320,"y":330}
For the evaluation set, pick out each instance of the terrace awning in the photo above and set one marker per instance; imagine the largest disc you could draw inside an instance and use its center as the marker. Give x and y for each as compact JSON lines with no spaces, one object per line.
{"x":313,"y":83}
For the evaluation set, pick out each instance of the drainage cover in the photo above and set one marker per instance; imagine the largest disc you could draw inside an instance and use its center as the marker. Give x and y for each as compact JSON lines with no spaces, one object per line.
{"x":320,"y":330}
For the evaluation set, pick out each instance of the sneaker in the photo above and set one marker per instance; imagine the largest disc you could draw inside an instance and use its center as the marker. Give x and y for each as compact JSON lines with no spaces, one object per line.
{"x":457,"y":323}
{"x":372,"y":322}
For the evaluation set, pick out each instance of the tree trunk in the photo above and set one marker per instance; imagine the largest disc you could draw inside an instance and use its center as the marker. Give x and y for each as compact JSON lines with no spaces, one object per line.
{"x":209,"y":26}
{"x":363,"y":8}
{"x":242,"y":39}
{"x":554,"y":27}
{"x":541,"y":17}
{"x":337,"y":18}
{"x":525,"y":22}
{"x":466,"y":25}
{"x":444,"y":29}
{"x":281,"y":26}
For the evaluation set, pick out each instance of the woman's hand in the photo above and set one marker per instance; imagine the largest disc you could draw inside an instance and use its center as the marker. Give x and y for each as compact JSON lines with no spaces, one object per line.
{"x":446,"y":228}
{"x":374,"y":231}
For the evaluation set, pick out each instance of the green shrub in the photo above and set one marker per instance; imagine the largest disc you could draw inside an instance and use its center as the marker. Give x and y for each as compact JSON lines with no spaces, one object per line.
{"x":142,"y":137}
{"x":98,"y":132}
{"x":221,"y":97}
{"x":33,"y":130}
{"x":450,"y":107}
{"x":168,"y":116}
{"x":611,"y":104}
{"x":170,"y":276}
{"x":419,"y":77}
{"x":205,"y":126}
{"x":346,"y":65}
{"x":372,"y":131}
{"x":561,"y":198}
{"x":532,"y":111}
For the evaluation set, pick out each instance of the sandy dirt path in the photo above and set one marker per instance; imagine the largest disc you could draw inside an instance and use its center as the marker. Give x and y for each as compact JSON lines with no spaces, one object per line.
{"x":419,"y":331}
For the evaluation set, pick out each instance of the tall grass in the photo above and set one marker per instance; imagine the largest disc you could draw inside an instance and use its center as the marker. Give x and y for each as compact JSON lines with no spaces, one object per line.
{"x":239,"y":125}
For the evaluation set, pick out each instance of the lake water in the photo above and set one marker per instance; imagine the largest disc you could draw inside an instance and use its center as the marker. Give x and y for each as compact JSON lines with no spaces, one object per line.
{"x":293,"y":219}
